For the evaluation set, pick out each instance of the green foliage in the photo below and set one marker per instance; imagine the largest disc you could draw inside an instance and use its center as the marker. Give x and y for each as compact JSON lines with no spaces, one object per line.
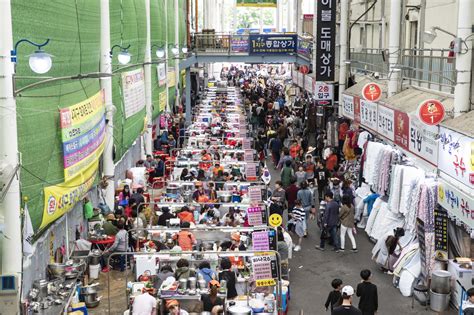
{"x":250,"y":17}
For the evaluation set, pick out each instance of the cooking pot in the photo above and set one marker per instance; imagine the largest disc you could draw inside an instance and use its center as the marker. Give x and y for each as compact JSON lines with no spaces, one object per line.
{"x":42,"y":287}
{"x":440,"y":281}
{"x":57,"y":270}
{"x":239,"y":310}
{"x":192,"y":283}
{"x":90,"y":298}
{"x":225,"y":197}
{"x":94,"y":257}
{"x":88,"y":290}
{"x":172,"y":189}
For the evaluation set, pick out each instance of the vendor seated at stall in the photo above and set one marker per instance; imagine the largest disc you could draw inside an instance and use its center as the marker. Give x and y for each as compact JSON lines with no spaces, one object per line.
{"x":183,"y":271}
{"x":165,"y":216}
{"x":215,"y":170}
{"x":144,"y":304}
{"x":120,"y":245}
{"x":165,"y":272}
{"x":174,"y":308}
{"x":185,"y":239}
{"x":208,"y":215}
{"x":186,"y":215}
{"x":211,"y":302}
{"x":109,"y":225}
{"x":159,"y":168}
{"x":186,"y":175}
{"x":149,"y":162}
{"x":200,"y":194}
{"x":229,"y":276}
{"x":201,"y":175}
{"x":206,"y":272}
{"x":233,"y":217}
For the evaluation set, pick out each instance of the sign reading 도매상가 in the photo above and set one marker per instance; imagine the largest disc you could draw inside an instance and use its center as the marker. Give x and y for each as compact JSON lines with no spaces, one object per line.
{"x":326,"y":40}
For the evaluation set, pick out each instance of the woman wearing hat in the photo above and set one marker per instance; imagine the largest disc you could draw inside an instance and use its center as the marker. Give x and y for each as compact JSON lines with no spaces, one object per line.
{"x":211,"y":302}
{"x":174,"y":309}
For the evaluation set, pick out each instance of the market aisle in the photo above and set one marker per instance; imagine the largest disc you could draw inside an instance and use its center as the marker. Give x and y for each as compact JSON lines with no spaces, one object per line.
{"x":312,"y":272}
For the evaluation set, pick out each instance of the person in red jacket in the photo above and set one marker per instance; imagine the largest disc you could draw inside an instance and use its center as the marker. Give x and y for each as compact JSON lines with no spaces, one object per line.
{"x":331,"y":161}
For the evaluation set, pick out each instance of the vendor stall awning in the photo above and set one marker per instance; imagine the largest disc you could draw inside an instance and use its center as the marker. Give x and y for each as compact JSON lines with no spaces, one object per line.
{"x":462,"y":124}
{"x":396,"y":119}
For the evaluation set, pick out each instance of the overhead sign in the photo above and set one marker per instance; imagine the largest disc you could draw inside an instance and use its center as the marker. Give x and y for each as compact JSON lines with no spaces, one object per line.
{"x":372,"y":92}
{"x":133,"y":91}
{"x":459,"y":204}
{"x":239,"y":43}
{"x":272,"y":44}
{"x":423,"y":140}
{"x":257,"y":3}
{"x":304,"y":69}
{"x":431,"y":112}
{"x":455,"y":156}
{"x":323,"y":91}
{"x":83,"y":134}
{"x":325,"y":40}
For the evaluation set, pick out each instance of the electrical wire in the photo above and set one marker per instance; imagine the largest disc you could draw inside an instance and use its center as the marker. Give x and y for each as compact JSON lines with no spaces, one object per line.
{"x":50,"y":183}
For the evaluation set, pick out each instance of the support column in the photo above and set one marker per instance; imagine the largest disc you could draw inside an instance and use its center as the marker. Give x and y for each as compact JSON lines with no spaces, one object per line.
{"x":463,"y":59}
{"x":188,"y":96}
{"x":167,"y":58}
{"x":148,"y":87}
{"x":299,"y":17}
{"x":10,"y":206}
{"x":343,"y":37}
{"x":394,"y":45}
{"x":176,"y":42}
{"x":106,"y":86}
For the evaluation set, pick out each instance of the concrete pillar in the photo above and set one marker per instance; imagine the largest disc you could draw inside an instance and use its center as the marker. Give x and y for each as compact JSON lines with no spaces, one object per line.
{"x":106,"y":86}
{"x":148,"y":86}
{"x":462,"y":92}
{"x":394,"y":45}
{"x":10,"y":205}
{"x":343,"y":38}
{"x":188,"y":96}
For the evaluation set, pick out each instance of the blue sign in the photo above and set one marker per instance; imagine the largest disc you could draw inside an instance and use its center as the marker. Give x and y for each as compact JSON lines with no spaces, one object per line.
{"x":272,"y":44}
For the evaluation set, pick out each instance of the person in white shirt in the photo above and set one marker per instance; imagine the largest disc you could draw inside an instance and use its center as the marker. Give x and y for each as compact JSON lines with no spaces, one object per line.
{"x":468,"y":306}
{"x":144,"y":304}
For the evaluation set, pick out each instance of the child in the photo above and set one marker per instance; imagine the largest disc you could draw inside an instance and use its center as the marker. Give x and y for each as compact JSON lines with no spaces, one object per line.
{"x":298,"y":217}
{"x":367,"y":291}
{"x":334,"y":298}
{"x":300,"y":176}
{"x":468,"y":306}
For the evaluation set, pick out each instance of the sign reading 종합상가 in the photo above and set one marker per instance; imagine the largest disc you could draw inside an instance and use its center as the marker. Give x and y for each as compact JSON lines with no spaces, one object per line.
{"x":348,"y":106}
{"x":456,"y":156}
{"x":326,"y":40}
{"x":133,"y":90}
{"x":272,"y":44}
{"x":83,"y":134}
{"x":386,"y":122}
{"x":423,"y":140}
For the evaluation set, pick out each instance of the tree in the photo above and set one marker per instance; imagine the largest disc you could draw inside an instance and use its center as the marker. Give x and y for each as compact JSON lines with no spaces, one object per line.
{"x":250,"y":17}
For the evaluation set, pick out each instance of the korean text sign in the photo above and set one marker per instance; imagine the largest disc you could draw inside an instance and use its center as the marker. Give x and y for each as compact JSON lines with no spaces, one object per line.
{"x":272,"y":44}
{"x":326,"y":40}
{"x":83,"y":134}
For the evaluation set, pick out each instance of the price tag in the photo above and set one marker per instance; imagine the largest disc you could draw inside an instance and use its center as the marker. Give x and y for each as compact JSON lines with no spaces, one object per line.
{"x":386,"y":122}
{"x":368,"y":114}
{"x":423,"y":140}
{"x":265,"y":282}
{"x":348,"y":106}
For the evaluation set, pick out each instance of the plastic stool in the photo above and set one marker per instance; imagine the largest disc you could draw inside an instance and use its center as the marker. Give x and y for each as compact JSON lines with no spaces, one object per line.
{"x":82,"y":309}
{"x":423,"y":289}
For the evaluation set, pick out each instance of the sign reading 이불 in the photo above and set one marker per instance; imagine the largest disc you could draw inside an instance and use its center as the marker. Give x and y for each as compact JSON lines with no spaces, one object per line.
{"x":83,"y":134}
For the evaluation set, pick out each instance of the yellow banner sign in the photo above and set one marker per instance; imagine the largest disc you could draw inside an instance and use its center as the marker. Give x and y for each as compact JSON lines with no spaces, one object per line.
{"x":265,"y":282}
{"x":61,"y":198}
{"x":171,"y":77}
{"x":162,"y":101}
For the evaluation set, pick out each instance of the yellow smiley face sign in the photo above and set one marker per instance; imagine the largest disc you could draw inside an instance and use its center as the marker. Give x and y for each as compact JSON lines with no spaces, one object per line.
{"x":275,"y":220}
